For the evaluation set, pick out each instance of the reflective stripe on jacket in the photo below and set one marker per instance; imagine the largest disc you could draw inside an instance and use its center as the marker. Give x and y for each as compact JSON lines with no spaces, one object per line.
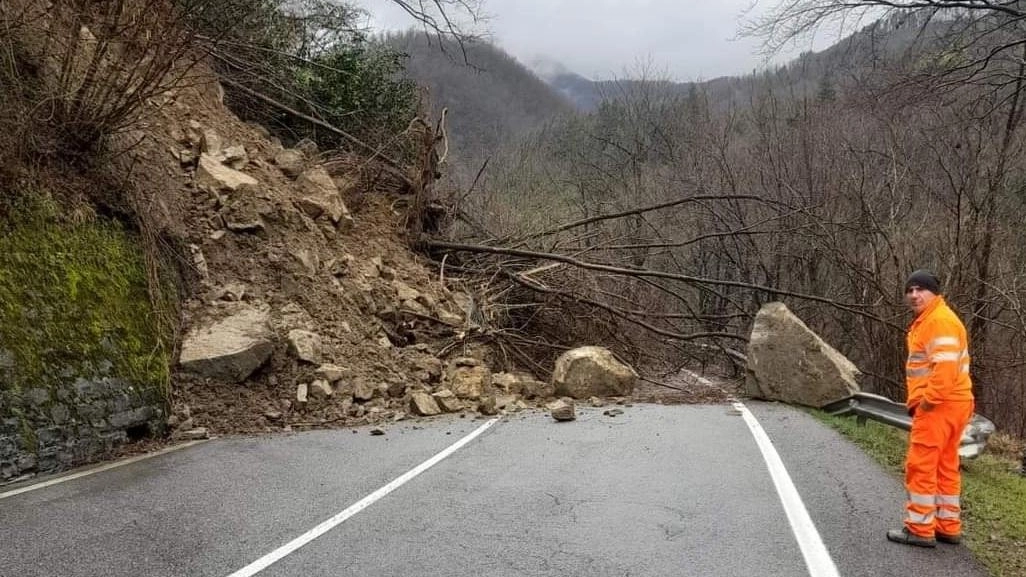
{"x":937,"y":369}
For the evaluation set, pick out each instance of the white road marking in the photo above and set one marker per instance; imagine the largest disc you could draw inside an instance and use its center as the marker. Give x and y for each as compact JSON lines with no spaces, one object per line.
{"x":817,"y":558}
{"x":95,"y":470}
{"x":290,"y":547}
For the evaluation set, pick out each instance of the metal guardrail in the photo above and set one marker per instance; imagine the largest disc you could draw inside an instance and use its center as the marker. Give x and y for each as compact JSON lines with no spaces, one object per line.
{"x":869,"y":406}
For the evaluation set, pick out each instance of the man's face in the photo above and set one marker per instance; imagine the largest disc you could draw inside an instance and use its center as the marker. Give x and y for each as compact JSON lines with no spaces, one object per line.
{"x":918,"y":298}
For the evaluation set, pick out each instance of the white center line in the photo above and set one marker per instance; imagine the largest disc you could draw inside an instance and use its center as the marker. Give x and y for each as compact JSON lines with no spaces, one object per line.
{"x":817,"y":558}
{"x":290,"y":547}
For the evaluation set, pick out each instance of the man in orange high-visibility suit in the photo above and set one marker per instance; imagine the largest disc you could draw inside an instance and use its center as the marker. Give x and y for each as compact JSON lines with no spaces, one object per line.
{"x":940,"y":400}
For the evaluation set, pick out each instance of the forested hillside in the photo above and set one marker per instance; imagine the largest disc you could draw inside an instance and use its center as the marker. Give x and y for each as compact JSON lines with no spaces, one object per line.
{"x":663,"y":219}
{"x":491,"y":98}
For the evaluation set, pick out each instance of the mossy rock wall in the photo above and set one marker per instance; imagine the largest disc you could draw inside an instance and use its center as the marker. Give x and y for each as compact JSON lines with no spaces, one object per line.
{"x":83,"y":367}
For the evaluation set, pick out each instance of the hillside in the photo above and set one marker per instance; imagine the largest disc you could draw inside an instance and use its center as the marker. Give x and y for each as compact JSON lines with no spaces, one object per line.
{"x":490,"y":101}
{"x":290,"y":294}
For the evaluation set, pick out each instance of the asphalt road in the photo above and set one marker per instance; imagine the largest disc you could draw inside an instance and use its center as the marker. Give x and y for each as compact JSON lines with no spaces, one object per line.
{"x":658,"y":490}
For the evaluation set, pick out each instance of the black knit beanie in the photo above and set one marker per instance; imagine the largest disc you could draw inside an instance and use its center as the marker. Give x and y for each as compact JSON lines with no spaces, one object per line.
{"x":924,"y":279}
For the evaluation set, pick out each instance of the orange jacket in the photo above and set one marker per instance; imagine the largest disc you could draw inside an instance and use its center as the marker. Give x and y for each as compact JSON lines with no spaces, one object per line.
{"x":937,"y":369}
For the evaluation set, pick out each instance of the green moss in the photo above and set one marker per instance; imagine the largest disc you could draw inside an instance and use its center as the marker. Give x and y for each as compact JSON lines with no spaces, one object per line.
{"x":74,"y":302}
{"x":28,"y":434}
{"x":993,"y":495}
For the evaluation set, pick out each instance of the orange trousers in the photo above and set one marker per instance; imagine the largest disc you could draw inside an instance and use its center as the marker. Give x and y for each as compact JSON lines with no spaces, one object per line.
{"x":931,"y":469}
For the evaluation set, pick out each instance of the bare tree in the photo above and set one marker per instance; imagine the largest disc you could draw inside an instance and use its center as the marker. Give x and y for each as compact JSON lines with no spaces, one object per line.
{"x":446,"y":18}
{"x":972,"y":41}
{"x":660,"y":223}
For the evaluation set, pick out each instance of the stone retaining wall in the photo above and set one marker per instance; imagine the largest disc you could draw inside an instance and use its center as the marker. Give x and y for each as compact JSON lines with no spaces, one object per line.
{"x":46,"y":430}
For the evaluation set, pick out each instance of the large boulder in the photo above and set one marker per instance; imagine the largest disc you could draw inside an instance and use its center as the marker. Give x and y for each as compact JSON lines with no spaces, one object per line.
{"x":788,"y":362}
{"x":230,"y":349}
{"x":592,"y":372}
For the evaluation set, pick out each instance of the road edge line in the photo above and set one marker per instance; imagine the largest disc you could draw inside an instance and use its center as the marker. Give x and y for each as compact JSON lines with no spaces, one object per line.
{"x":817,"y":558}
{"x":95,"y":470}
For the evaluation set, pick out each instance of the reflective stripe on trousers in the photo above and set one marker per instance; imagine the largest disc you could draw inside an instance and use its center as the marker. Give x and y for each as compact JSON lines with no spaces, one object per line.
{"x":931,"y":469}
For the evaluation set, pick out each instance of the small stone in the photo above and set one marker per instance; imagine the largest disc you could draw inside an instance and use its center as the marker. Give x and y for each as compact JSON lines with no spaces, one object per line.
{"x":235,"y":156}
{"x":186,"y":157}
{"x":321,"y":389}
{"x":211,"y":143}
{"x":377,"y":432}
{"x":507,"y":383}
{"x":424,"y":404}
{"x":308,"y":259}
{"x":396,"y":390}
{"x":233,"y":291}
{"x":330,"y":373}
{"x":273,"y":415}
{"x":307,"y":147}
{"x":199,"y":262}
{"x":562,"y":410}
{"x":290,"y":161}
{"x":363,"y":391}
{"x":612,"y":412}
{"x":301,"y":393}
{"x":448,"y":401}
{"x":487,"y":406}
{"x":504,"y":401}
{"x":216,"y":176}
{"x":305,"y":345}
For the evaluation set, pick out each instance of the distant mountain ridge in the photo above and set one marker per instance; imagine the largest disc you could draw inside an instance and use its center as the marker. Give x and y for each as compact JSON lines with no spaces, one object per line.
{"x":495,"y":98}
{"x":866,"y":49}
{"x":490,"y":101}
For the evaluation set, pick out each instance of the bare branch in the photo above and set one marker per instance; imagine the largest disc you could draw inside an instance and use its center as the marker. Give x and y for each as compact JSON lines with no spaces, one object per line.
{"x":847,"y":307}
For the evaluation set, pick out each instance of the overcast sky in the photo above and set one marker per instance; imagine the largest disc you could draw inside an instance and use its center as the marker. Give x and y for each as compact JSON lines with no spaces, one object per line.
{"x":600,"y":39}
